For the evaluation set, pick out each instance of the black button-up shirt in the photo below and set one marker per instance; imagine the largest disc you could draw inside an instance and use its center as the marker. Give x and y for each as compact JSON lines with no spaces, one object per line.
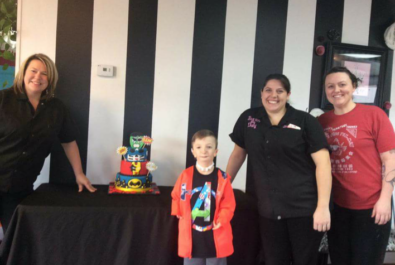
{"x":282,"y":169}
{"x":26,"y":137}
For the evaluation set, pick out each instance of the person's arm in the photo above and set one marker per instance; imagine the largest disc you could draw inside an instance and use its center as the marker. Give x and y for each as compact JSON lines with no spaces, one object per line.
{"x":235,"y":161}
{"x":382,"y":208}
{"x":73,"y":155}
{"x":175,"y":198}
{"x":322,"y":217}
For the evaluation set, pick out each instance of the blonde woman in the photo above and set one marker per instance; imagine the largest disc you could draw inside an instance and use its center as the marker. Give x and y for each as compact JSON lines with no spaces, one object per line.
{"x":31,"y":120}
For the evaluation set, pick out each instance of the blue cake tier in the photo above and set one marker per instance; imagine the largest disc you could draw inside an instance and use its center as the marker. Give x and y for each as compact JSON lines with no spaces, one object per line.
{"x":133,"y":183}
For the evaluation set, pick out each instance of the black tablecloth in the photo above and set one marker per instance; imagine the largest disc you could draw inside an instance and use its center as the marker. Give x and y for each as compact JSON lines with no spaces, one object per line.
{"x":58,"y":225}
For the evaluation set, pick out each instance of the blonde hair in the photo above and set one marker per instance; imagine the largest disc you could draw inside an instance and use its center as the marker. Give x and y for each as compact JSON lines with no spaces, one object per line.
{"x":52,"y":74}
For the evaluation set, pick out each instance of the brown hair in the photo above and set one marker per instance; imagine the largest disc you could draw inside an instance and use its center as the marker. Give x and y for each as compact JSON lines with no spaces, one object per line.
{"x":281,"y":78}
{"x":341,"y":69}
{"x":52,"y":74}
{"x":203,"y":134}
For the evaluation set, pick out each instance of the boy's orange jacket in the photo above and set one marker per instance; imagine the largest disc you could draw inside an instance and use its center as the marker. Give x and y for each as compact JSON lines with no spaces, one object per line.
{"x":225,"y":203}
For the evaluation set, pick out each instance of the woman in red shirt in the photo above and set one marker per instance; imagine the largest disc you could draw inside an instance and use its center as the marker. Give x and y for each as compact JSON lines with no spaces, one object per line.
{"x":362,"y":142}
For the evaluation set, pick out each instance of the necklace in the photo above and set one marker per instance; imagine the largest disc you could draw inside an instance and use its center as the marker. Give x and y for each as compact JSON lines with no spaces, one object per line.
{"x":204,"y":169}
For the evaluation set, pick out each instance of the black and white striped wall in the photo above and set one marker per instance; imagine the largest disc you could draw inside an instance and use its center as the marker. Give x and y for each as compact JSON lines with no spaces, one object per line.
{"x":182,"y":65}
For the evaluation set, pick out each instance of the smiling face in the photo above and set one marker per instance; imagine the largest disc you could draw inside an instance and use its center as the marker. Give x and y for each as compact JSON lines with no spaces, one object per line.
{"x":339,"y":90}
{"x":274,"y":96}
{"x":204,"y":150}
{"x":35,"y":79}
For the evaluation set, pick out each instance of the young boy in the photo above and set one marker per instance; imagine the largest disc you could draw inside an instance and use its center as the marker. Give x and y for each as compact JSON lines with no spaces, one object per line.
{"x":204,"y":203}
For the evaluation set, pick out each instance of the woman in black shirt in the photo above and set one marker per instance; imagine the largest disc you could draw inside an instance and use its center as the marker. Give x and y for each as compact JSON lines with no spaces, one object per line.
{"x":290,"y":174}
{"x":31,"y":120}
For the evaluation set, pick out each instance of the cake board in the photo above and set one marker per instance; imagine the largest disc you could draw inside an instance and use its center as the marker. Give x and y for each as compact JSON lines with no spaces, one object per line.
{"x":153,"y":191}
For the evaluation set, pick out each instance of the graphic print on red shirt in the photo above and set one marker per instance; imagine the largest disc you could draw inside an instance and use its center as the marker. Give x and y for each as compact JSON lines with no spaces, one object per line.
{"x":356,"y":140}
{"x":342,"y":147}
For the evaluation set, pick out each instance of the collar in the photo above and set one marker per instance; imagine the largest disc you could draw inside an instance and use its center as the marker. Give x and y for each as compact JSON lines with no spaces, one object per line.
{"x":23,"y":97}
{"x":288,"y":115}
{"x":261,"y":113}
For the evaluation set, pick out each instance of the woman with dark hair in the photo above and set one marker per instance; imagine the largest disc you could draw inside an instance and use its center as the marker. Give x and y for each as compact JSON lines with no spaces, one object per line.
{"x":362,"y":141}
{"x":31,"y":119}
{"x":290,"y":173}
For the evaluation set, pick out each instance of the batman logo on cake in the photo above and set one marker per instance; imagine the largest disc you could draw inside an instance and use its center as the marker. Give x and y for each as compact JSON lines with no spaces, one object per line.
{"x":135,"y":183}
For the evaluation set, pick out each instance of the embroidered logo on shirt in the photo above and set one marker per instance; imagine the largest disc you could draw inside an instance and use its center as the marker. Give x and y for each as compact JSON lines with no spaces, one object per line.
{"x":292,"y":126}
{"x":252,"y":122}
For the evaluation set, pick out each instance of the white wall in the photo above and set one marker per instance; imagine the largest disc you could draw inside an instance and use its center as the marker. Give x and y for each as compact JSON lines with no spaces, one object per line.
{"x":174,"y":43}
{"x":237,"y":76}
{"x":37,"y":34}
{"x":298,"y":57}
{"x":106,"y":109}
{"x":356,"y":21}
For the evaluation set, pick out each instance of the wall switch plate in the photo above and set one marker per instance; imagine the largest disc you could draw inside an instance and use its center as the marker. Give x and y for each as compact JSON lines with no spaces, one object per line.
{"x":105,"y":70}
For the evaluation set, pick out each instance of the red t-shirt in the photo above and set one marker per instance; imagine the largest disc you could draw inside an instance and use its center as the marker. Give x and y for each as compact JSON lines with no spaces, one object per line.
{"x":356,"y":140}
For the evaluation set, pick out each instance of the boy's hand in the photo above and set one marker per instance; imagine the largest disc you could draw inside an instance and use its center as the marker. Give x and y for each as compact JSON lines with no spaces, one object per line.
{"x":179,"y":216}
{"x":216,"y":226}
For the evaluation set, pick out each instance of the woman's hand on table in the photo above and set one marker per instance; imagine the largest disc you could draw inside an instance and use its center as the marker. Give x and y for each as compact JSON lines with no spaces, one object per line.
{"x":82,"y":182}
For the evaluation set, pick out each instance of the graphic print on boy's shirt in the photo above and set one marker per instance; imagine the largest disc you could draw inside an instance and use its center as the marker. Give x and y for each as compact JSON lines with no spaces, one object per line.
{"x":203,"y":200}
{"x":203,"y":209}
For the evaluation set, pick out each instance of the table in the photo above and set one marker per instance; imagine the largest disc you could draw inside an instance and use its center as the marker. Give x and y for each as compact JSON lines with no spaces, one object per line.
{"x":58,"y":225}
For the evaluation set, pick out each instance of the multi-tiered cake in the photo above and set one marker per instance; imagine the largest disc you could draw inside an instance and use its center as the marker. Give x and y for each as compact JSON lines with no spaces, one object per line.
{"x":135,"y":175}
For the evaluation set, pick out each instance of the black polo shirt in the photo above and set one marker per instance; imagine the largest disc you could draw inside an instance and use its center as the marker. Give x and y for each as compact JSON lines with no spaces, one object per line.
{"x":26,"y":137}
{"x":281,"y":167}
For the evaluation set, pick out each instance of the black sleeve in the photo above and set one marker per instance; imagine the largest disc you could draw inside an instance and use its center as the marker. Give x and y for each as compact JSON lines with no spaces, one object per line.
{"x":3,"y":97}
{"x":68,"y":132}
{"x":314,"y":135}
{"x":237,"y":135}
